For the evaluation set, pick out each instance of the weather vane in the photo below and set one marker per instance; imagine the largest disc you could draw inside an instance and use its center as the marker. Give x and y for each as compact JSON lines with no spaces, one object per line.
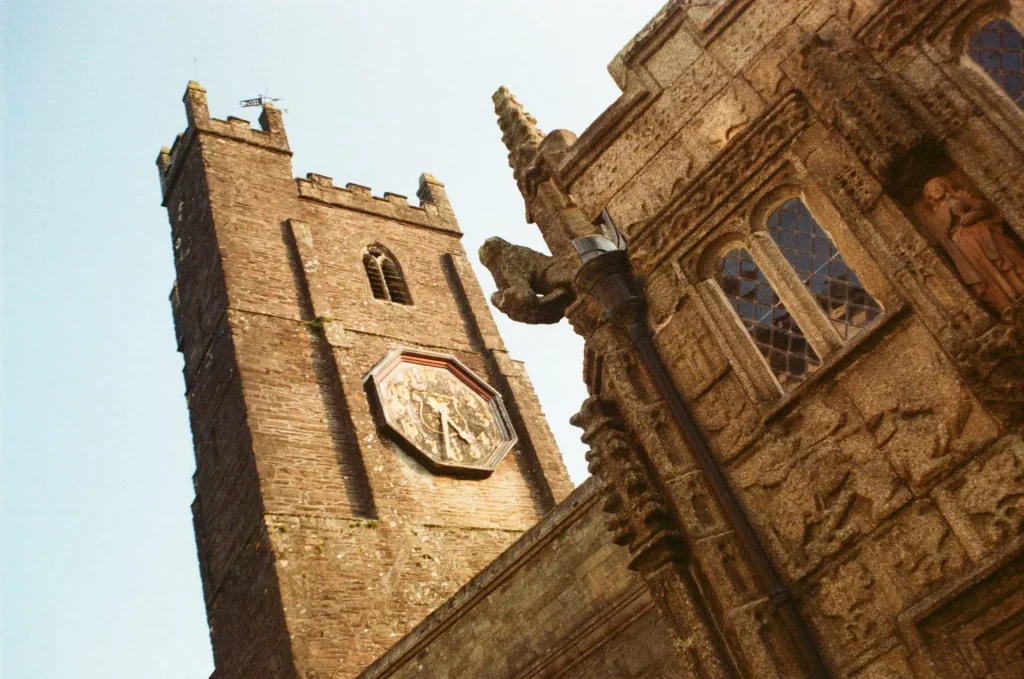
{"x":261,"y":100}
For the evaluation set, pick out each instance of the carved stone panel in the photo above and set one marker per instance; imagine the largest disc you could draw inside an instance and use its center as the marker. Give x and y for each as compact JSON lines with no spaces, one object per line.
{"x":726,"y":417}
{"x":763,"y":647}
{"x":690,"y":351}
{"x":976,"y":628}
{"x":984,"y":503}
{"x":817,"y":483}
{"x":915,"y":406}
{"x":853,"y":609}
{"x":721,"y":562}
{"x":917,"y":551}
{"x":696,"y":507}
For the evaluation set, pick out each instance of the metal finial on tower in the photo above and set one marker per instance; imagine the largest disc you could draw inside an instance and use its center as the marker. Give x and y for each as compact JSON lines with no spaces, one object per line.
{"x":519,"y":130}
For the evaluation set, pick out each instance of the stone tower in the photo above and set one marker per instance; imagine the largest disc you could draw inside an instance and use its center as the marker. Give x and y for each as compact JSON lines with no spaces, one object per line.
{"x":331,"y":515}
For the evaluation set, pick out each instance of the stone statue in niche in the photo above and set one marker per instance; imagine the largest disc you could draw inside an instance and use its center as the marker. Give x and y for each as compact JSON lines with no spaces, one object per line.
{"x":974,"y":235}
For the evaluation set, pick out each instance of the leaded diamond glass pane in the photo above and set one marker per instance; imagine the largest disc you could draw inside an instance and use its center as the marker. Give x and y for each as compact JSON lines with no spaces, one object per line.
{"x":773,"y":330}
{"x":811,"y":252}
{"x":998,"y":49}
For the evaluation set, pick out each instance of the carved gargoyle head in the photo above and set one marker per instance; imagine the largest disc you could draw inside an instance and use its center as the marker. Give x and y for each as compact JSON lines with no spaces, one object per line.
{"x":532,"y":287}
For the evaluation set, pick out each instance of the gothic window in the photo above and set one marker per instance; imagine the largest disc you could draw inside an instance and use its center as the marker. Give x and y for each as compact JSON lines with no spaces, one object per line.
{"x":775,"y":332}
{"x":998,"y":48}
{"x":386,"y":279}
{"x":821,"y":268}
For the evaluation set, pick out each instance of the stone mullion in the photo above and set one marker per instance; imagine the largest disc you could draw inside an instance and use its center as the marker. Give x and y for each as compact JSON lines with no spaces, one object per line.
{"x":751,"y":368}
{"x":799,"y":301}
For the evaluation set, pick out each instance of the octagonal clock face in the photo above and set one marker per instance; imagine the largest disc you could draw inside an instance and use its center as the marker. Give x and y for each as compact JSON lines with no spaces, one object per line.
{"x":440,"y":411}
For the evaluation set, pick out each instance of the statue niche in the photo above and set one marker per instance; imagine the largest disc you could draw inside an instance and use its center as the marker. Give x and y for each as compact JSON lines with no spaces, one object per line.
{"x":532,"y":287}
{"x":972,"y":232}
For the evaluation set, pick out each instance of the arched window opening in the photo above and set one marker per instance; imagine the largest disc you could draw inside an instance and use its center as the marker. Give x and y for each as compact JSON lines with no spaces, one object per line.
{"x":816,"y":260}
{"x":386,"y":280}
{"x":774,"y":331}
{"x":397,"y":290}
{"x":999,"y":49}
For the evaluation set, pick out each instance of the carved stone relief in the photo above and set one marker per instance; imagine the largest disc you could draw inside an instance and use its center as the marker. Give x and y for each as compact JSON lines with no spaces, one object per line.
{"x":984,"y":503}
{"x":697,"y":509}
{"x":975,"y":237}
{"x":854,"y":609}
{"x":916,"y":408}
{"x":917,"y":552}
{"x":993,"y":364}
{"x":742,"y":158}
{"x":720,"y":561}
{"x":690,"y":351}
{"x":726,"y":417}
{"x":818,"y":483}
{"x":974,"y":629}
{"x":763,"y":645}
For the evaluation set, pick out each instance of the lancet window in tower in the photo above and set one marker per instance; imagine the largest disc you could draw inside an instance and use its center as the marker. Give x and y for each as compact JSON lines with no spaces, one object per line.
{"x":999,"y":49}
{"x":775,"y":332}
{"x":385,"y":277}
{"x":816,"y":260}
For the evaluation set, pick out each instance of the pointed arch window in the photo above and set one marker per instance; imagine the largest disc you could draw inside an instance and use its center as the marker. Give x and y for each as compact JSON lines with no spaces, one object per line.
{"x":385,"y":276}
{"x":814,"y":256}
{"x":774,"y":331}
{"x":999,"y":49}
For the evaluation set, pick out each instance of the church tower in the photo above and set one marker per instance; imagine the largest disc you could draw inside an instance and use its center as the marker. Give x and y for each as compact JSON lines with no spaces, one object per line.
{"x":363,"y":442}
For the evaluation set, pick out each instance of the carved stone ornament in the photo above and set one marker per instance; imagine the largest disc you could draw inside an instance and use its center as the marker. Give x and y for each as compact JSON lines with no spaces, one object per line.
{"x":532,"y":287}
{"x":441,"y":412}
{"x":993,"y":365}
{"x":854,"y":96}
{"x":639,"y":517}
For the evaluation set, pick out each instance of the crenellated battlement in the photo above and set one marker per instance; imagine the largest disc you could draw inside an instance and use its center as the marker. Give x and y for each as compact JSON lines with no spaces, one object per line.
{"x":433,"y":210}
{"x":269,"y":135}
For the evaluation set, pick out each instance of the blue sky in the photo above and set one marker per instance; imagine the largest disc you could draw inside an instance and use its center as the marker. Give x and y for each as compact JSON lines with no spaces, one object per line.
{"x":99,"y":568}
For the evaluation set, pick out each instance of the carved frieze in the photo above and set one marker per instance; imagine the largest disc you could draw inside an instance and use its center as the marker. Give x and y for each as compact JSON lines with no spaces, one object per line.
{"x":896,"y":23}
{"x":854,"y":609}
{"x":916,"y":407}
{"x":918,"y":551}
{"x":720,"y":181}
{"x":818,"y":483}
{"x":984,"y":502}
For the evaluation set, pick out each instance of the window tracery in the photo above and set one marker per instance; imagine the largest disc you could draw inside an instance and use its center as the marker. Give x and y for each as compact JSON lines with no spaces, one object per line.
{"x":822,"y":269}
{"x":385,"y":277}
{"x":774,"y":331}
{"x":998,"y":48}
{"x":798,"y":299}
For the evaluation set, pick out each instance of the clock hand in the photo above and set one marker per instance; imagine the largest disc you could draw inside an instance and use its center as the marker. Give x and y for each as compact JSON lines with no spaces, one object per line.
{"x":468,"y":438}
{"x":444,"y":430}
